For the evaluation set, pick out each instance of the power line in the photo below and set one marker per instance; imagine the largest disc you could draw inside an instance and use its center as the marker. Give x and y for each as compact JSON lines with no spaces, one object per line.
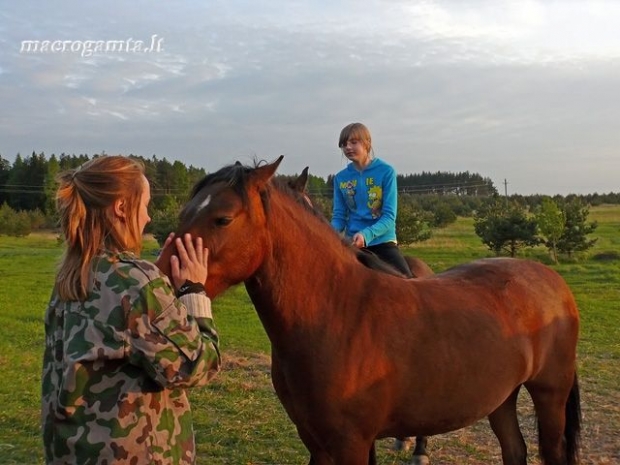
{"x":157,"y":192}
{"x":422,"y":189}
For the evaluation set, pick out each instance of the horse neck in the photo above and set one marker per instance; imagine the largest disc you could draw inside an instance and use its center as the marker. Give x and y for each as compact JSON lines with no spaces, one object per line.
{"x":306,"y":258}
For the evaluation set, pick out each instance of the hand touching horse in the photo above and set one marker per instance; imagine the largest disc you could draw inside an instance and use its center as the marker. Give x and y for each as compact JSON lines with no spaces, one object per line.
{"x":363,"y":355}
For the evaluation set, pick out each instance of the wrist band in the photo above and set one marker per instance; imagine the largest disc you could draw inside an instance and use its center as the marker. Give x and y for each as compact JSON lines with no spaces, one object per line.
{"x":189,"y":287}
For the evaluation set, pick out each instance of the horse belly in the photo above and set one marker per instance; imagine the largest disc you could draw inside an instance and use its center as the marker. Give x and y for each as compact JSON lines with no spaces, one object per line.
{"x":451,"y":380}
{"x":449,"y":409}
{"x":480,"y":335}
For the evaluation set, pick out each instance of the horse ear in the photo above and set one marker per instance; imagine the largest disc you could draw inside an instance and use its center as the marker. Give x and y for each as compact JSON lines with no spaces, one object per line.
{"x":301,"y":182}
{"x":263,"y":174}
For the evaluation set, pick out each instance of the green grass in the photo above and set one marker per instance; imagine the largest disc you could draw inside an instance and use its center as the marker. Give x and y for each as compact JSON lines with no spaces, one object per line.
{"x":238,"y":419}
{"x":26,"y":273}
{"x":450,"y":246}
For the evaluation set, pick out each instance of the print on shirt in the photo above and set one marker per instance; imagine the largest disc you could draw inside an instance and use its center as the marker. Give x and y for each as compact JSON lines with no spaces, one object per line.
{"x":375,"y":201}
{"x":349,"y":193}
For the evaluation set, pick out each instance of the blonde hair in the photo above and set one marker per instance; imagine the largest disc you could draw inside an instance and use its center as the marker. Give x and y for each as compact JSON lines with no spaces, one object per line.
{"x":85,"y":202}
{"x":355,"y":131}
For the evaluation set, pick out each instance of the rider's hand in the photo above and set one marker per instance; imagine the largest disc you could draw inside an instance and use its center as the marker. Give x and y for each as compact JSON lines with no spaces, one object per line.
{"x":358,"y":240}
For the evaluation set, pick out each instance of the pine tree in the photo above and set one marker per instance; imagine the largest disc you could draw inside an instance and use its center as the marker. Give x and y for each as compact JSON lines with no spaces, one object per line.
{"x":504,"y":227}
{"x":574,"y":237}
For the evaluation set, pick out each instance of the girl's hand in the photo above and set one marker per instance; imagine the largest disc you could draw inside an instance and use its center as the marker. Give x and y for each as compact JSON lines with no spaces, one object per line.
{"x":190,"y":263}
{"x":167,"y":244}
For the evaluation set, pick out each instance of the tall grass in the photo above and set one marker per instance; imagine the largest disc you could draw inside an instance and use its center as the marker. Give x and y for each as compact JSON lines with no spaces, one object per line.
{"x":237,"y":417}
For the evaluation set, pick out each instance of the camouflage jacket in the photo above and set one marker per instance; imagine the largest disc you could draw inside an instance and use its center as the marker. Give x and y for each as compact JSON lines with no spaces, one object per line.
{"x":116,"y":367}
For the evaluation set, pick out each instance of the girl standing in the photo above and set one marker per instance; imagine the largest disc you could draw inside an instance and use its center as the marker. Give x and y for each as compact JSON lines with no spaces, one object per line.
{"x":122,"y":341}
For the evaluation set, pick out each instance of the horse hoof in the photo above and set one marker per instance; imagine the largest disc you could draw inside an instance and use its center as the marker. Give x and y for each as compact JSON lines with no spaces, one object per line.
{"x":420,"y":460}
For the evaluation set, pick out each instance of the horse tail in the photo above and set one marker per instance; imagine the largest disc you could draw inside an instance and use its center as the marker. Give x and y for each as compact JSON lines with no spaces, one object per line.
{"x":572,"y":429}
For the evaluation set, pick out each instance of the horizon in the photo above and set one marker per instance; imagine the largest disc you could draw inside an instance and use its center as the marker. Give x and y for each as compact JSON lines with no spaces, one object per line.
{"x":428,"y":187}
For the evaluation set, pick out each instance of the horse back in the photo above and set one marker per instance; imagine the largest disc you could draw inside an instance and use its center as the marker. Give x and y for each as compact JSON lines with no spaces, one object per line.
{"x":523,"y":286}
{"x":516,"y":300}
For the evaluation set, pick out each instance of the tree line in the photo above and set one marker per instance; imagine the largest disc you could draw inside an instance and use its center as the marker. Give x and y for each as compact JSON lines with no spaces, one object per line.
{"x":427,"y":201}
{"x":30,"y":183}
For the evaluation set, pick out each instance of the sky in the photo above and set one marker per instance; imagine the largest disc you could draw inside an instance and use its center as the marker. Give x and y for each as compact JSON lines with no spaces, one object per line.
{"x":525,"y":92}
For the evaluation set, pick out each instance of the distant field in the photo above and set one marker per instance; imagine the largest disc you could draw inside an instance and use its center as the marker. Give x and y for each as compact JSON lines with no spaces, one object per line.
{"x":238,"y":418}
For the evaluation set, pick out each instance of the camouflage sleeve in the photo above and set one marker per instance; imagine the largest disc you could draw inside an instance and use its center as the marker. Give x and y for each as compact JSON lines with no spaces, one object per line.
{"x":172,"y":346}
{"x":199,"y":307}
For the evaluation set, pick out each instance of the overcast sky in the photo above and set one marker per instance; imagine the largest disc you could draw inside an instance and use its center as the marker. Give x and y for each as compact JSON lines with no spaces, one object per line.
{"x":524,"y":91}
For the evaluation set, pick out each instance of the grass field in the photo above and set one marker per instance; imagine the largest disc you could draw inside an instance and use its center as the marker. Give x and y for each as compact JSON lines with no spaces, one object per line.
{"x":239,"y":420}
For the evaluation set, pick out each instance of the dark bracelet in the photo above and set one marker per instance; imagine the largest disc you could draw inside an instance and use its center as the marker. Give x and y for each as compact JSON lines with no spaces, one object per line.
{"x":189,"y":287}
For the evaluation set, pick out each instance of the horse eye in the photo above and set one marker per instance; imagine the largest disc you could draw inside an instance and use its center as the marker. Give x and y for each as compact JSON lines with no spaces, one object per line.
{"x":223,"y":221}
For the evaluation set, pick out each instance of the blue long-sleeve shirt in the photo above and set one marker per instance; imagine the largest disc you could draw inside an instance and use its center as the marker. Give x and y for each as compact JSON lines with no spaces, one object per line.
{"x":366,"y":202}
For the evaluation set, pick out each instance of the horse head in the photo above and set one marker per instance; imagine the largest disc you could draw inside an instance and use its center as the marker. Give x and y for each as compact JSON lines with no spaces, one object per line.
{"x":227,"y":209}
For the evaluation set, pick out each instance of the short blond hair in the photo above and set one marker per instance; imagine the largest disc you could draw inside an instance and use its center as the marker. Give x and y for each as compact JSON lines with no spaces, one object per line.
{"x":355,"y":131}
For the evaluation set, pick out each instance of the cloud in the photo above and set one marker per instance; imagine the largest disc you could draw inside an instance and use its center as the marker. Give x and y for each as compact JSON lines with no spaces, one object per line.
{"x":522,"y":90}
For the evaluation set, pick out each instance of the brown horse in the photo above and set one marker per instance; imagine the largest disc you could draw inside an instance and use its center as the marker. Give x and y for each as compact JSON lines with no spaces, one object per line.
{"x":418,"y":268}
{"x":362,"y":355}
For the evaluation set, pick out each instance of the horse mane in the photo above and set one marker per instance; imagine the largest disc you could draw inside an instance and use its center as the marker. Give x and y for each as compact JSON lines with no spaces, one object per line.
{"x":365,"y":257}
{"x":236,"y":177}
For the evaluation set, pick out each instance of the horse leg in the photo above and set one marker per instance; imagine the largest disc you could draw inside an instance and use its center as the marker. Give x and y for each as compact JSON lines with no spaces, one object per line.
{"x":339,"y":451}
{"x":420,"y":457}
{"x":505,"y":425}
{"x":372,"y":455}
{"x":550,"y":413}
{"x":559,"y":418}
{"x":317,"y":455}
{"x":351,"y":451}
{"x":402,"y":444}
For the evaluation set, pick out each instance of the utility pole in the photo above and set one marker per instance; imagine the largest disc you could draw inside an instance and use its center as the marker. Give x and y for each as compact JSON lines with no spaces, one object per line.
{"x":505,"y":188}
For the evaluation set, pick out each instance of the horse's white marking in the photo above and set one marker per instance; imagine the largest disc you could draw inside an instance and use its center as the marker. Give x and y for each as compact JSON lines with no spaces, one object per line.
{"x":204,"y":203}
